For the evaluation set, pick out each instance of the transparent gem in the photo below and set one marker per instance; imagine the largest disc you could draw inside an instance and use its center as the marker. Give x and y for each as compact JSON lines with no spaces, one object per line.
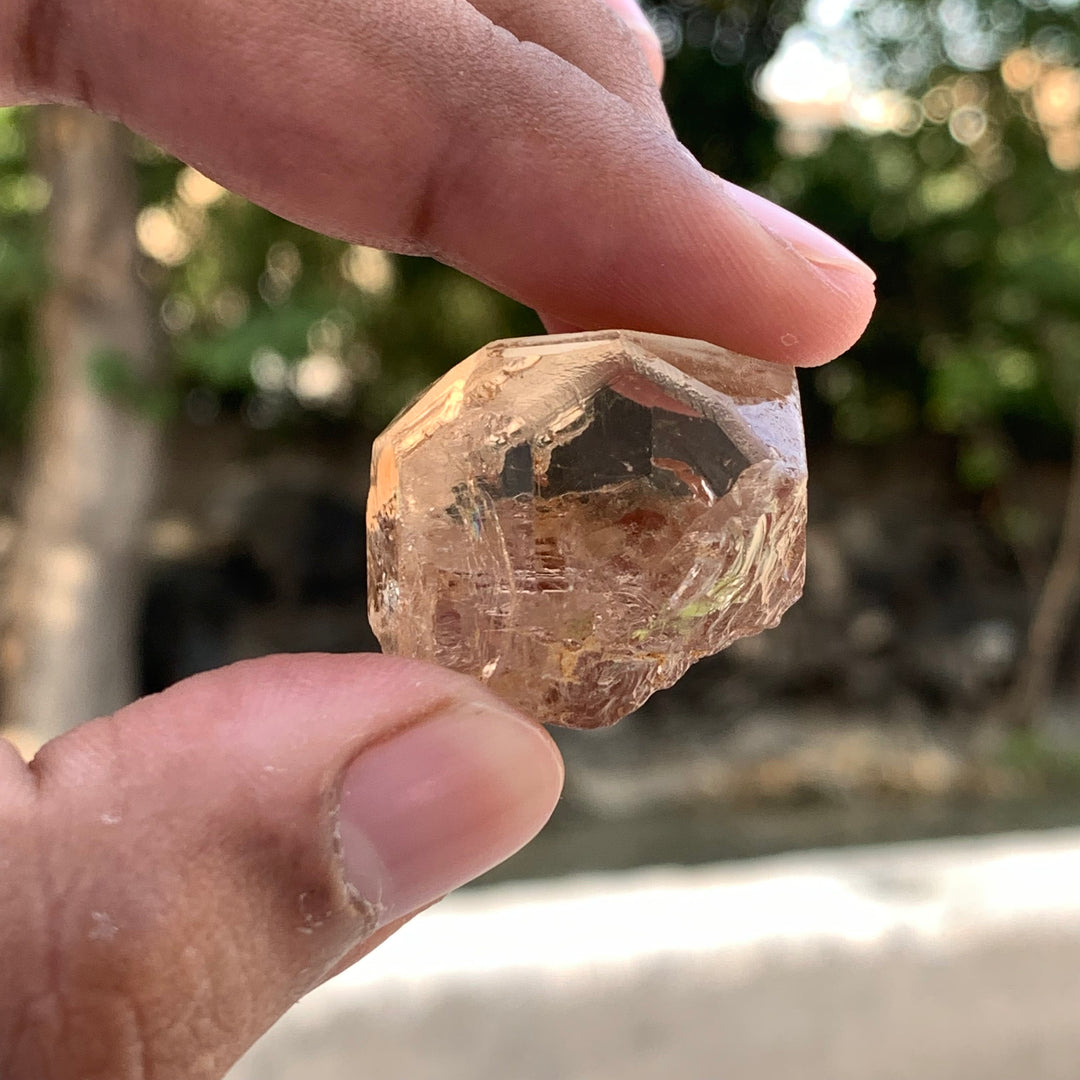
{"x":575,"y":519}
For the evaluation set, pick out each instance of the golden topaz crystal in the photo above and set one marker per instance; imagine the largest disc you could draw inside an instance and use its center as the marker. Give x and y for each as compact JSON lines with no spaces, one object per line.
{"x":576,"y":519}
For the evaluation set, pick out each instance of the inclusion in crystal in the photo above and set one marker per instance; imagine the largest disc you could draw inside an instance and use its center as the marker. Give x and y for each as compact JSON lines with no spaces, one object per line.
{"x":576,"y":519}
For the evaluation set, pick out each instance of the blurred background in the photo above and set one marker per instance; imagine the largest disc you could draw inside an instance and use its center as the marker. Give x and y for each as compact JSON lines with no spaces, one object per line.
{"x":184,"y":446}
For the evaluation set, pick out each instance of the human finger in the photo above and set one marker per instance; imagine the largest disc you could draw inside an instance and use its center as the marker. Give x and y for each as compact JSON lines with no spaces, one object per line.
{"x":428,"y":128}
{"x":178,"y":875}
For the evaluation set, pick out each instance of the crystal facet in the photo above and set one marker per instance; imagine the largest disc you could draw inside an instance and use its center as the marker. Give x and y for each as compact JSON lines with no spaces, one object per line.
{"x":576,"y":519}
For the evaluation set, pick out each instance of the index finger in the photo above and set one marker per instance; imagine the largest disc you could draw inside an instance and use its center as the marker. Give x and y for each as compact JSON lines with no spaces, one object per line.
{"x":427,"y":128}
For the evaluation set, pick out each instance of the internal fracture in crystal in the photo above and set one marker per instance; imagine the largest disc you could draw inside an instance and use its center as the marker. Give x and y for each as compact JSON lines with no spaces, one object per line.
{"x":576,"y":519}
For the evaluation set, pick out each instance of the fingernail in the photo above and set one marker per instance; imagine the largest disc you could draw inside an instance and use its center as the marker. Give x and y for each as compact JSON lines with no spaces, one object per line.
{"x":631,"y":14}
{"x":808,"y":240}
{"x":441,"y":802}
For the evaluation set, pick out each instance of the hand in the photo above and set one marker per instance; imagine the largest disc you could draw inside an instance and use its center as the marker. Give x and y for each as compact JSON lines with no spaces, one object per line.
{"x":522,"y":141}
{"x":173,"y":877}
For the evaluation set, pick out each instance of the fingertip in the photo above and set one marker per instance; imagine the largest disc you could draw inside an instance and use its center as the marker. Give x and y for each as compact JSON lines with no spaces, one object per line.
{"x":832,"y":328}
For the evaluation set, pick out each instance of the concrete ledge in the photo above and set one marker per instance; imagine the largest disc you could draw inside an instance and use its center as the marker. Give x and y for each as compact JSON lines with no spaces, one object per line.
{"x":947,"y":960}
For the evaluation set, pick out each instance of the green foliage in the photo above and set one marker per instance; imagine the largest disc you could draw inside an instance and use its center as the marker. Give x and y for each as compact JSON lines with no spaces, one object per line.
{"x":260,"y":316}
{"x":21,"y":272}
{"x":1035,"y":758}
{"x":112,"y":374}
{"x":966,"y":204}
{"x":279,"y":322}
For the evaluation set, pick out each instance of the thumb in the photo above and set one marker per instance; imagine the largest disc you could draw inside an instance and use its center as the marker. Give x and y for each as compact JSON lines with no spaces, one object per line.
{"x":179,"y":874}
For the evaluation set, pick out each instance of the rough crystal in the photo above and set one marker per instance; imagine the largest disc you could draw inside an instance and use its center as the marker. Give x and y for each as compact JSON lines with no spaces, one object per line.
{"x":576,"y":519}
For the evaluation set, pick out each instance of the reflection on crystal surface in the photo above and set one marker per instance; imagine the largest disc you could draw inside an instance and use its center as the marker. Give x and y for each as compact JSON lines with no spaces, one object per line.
{"x":576,"y":519}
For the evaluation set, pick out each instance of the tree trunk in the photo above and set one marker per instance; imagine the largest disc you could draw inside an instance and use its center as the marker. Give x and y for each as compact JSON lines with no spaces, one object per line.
{"x":1055,"y":608}
{"x":92,"y":461}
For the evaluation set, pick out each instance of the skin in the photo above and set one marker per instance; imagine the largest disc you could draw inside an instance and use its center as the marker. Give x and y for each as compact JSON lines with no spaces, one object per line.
{"x":174,"y":877}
